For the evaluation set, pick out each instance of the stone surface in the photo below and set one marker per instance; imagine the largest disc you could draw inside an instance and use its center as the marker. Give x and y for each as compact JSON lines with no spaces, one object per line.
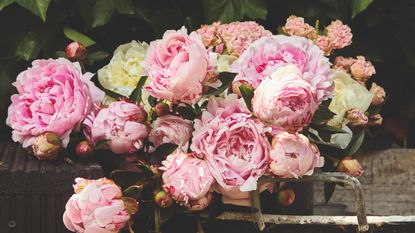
{"x":388,"y":182}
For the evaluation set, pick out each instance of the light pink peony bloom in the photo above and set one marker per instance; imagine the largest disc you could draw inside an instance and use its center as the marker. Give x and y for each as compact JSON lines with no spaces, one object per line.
{"x":362,"y":70}
{"x":119,"y":124}
{"x":292,"y":155}
{"x":96,"y":206}
{"x":185,"y":177}
{"x":324,"y":43}
{"x":266,"y":55}
{"x":171,"y":129}
{"x":343,"y":63}
{"x":285,"y":100}
{"x":339,"y":34}
{"x":200,"y":204}
{"x":53,"y":96}
{"x":295,"y":26}
{"x":233,"y":144}
{"x":177,"y":64}
{"x":209,"y":36}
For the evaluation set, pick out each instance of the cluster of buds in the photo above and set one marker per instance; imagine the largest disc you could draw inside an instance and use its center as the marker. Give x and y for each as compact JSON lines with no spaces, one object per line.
{"x":360,"y":69}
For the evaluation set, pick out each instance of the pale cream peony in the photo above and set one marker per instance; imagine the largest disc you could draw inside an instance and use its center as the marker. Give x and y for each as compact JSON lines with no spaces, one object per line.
{"x":347,"y":94}
{"x":125,"y":68}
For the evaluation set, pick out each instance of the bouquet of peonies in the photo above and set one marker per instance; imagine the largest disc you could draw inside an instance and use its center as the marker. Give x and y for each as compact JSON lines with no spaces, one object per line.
{"x":213,"y":111}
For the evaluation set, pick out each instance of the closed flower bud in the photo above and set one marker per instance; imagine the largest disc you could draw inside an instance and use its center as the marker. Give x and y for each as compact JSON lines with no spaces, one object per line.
{"x":163,"y":199}
{"x":237,"y":84}
{"x":356,"y":118}
{"x":46,"y":146}
{"x":161,"y":109}
{"x":75,"y":51}
{"x":362,"y":70}
{"x":84,"y":149}
{"x":378,"y":94}
{"x":286,"y":197}
{"x":350,"y":166}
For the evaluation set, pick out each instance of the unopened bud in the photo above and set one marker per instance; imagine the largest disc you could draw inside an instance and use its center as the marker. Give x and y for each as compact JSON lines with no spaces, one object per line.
{"x":286,"y":197}
{"x":84,"y":149}
{"x":75,"y":51}
{"x":350,"y":166}
{"x":163,"y":199}
{"x":46,"y":146}
{"x":161,"y":109}
{"x":378,"y":94}
{"x":356,"y":118}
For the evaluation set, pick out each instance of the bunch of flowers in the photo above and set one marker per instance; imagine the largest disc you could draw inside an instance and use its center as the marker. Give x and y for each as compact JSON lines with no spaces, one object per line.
{"x":211,"y":111}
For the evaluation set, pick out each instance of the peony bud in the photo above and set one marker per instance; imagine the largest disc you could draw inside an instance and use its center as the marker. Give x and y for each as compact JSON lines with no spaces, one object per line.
{"x":375,"y":120}
{"x":350,"y":166}
{"x":84,"y":149}
{"x":356,"y":118}
{"x":286,"y":197}
{"x":75,"y":51}
{"x":163,"y":199}
{"x":161,"y":109}
{"x":362,"y":70}
{"x":46,"y":146}
{"x":378,"y":94}
{"x":237,"y":84}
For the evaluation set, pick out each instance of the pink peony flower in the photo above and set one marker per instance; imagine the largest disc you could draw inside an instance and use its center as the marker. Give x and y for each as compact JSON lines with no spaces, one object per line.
{"x":171,"y":129}
{"x":177,"y":65}
{"x":119,"y":124}
{"x":285,"y":100}
{"x":339,"y":34}
{"x":292,"y":155}
{"x":295,"y":26}
{"x":266,"y":55}
{"x":208,"y":33}
{"x":343,"y":63}
{"x":185,"y":177}
{"x":233,"y":144}
{"x":96,"y":206}
{"x":53,"y":96}
{"x":324,"y":43}
{"x":362,"y":70}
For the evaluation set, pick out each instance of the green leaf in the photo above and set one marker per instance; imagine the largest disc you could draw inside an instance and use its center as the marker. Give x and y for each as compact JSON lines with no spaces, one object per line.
{"x":125,"y":178}
{"x":186,"y":112}
{"x":322,"y":115}
{"x":226,"y":78}
{"x":136,"y":95}
{"x":29,"y":47}
{"x":247,"y":93}
{"x":355,"y":143}
{"x":97,"y":56}
{"x":133,"y":191}
{"x":330,"y":129}
{"x":125,"y":7}
{"x":102,"y":12}
{"x":152,"y":101}
{"x":4,"y":3}
{"x":359,"y":6}
{"x":78,"y":37}
{"x":37,"y":7}
{"x":328,"y":191}
{"x":101,"y":144}
{"x":223,"y":10}
{"x":162,"y":152}
{"x":255,"y":9}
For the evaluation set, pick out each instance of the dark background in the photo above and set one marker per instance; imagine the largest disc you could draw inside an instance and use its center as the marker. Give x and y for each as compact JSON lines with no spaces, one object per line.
{"x":384,"y":32}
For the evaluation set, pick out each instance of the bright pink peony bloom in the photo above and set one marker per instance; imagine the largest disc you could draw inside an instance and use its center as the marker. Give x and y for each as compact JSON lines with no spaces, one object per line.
{"x":119,"y":124}
{"x":171,"y":129}
{"x":233,"y":143}
{"x":53,"y":95}
{"x":362,"y":70}
{"x":266,"y":55}
{"x":96,"y":206}
{"x":343,"y":63}
{"x":177,"y":66}
{"x":285,"y":100}
{"x":292,"y":155}
{"x":295,"y":26}
{"x":339,"y":34}
{"x":185,"y":177}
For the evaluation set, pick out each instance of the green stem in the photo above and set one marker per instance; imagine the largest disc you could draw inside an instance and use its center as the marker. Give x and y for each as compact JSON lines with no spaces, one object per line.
{"x":157,"y":219}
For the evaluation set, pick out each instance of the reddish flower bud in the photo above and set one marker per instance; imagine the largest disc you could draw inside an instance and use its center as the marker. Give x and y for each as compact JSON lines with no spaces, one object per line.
{"x":46,"y":146}
{"x":84,"y":149}
{"x":162,"y":109}
{"x":286,"y":197}
{"x":350,"y":166}
{"x":75,"y":51}
{"x":163,"y":199}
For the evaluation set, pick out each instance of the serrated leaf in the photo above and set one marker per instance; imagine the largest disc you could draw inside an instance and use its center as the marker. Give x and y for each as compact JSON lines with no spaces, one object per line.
{"x":162,"y":152}
{"x":102,"y":12}
{"x":226,"y":78}
{"x":247,"y":94}
{"x":37,"y":7}
{"x":328,"y":191}
{"x":359,"y":6}
{"x":133,"y":191}
{"x":97,"y":56}
{"x":255,"y":9}
{"x":124,"y":7}
{"x":136,"y":95}
{"x":355,"y":143}
{"x":78,"y":37}
{"x":4,"y":3}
